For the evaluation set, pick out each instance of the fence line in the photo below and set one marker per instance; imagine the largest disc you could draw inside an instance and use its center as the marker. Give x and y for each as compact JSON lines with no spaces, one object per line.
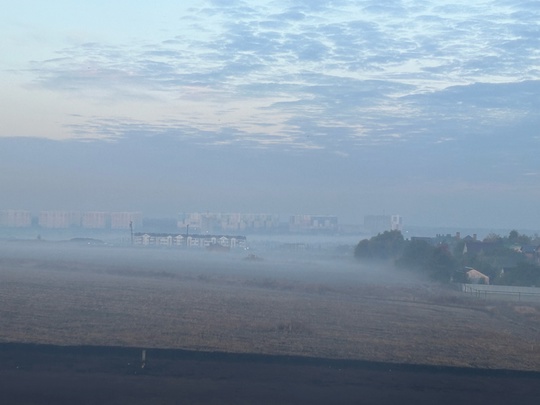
{"x":501,"y":292}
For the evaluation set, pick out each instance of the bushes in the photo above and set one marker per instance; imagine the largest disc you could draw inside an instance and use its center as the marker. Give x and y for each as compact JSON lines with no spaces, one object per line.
{"x":384,"y":246}
{"x":523,"y":274}
{"x":436,"y":262}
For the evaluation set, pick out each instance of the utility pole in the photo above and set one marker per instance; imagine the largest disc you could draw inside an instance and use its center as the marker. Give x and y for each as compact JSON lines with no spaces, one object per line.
{"x":143,"y":359}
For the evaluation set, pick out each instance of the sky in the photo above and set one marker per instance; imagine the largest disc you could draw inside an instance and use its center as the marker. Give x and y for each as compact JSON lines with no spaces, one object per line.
{"x":427,"y":109}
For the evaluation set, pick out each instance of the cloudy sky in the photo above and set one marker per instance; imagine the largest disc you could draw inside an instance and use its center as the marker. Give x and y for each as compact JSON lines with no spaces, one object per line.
{"x":425,"y":108}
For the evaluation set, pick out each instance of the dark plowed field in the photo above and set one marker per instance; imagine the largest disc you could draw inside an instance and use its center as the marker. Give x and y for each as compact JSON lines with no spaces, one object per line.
{"x":42,"y":374}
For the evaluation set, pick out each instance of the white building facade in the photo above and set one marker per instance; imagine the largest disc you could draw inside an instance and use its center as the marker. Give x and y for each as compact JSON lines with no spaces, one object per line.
{"x":15,"y":219}
{"x":190,"y":241}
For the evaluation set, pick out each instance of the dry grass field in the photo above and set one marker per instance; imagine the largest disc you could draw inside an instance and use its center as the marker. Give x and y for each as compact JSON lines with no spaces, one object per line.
{"x":335,"y":308}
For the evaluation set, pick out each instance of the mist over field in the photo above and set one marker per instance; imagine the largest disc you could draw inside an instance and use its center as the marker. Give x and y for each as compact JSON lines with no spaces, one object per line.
{"x":322,"y":263}
{"x":272,"y":302}
{"x":312,"y":320}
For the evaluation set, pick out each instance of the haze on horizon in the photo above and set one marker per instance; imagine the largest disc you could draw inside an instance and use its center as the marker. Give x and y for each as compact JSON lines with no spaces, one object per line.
{"x":425,"y":109}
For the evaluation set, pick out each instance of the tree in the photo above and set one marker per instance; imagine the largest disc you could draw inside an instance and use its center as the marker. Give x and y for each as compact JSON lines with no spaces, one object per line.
{"x":441,"y":264}
{"x":524,"y":274}
{"x":492,"y":237}
{"x":491,"y":261}
{"x":384,"y":246}
{"x":363,"y":250}
{"x":514,"y":238}
{"x":435,"y":261}
{"x":415,"y":254}
{"x":438,"y":262}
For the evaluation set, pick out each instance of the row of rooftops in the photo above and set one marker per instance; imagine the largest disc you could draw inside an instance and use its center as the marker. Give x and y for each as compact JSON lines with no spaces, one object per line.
{"x":195,"y":240}
{"x":185,"y":235}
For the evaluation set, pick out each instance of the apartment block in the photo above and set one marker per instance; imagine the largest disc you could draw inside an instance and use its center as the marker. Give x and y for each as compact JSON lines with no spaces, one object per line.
{"x":302,"y":223}
{"x":207,"y":241}
{"x":212,"y":222}
{"x":381,"y":223}
{"x":123,"y":220}
{"x":396,"y":223}
{"x":15,"y":219}
{"x":59,"y":219}
{"x":96,"y":220}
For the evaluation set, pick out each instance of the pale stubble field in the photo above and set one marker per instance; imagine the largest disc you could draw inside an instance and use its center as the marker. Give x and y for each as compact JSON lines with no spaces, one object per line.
{"x":331,"y":308}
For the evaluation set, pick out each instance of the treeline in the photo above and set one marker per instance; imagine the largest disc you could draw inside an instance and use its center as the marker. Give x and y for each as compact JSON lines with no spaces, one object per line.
{"x":510,"y":260}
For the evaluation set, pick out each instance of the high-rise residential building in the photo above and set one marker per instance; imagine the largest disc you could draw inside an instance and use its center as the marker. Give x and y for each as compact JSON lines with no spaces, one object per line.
{"x":123,"y":220}
{"x":213,"y":222}
{"x":381,"y":223}
{"x":192,"y":221}
{"x":96,"y":220}
{"x":302,"y":223}
{"x":15,"y":219}
{"x":396,"y":223}
{"x":59,"y":219}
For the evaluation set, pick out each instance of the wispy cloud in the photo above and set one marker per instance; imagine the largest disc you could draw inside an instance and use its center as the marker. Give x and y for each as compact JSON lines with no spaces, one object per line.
{"x":327,"y":71}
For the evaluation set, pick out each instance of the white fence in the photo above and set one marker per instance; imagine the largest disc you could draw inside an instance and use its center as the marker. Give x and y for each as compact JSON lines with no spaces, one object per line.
{"x":502,"y":292}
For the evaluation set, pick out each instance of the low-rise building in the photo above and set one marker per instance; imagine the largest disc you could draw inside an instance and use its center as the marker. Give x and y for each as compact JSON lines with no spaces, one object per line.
{"x":190,"y":241}
{"x":476,"y":277}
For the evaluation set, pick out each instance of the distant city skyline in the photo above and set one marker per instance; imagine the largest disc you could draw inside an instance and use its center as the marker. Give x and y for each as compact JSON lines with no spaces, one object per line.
{"x":198,"y":222}
{"x":128,"y":219}
{"x":103,"y":221}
